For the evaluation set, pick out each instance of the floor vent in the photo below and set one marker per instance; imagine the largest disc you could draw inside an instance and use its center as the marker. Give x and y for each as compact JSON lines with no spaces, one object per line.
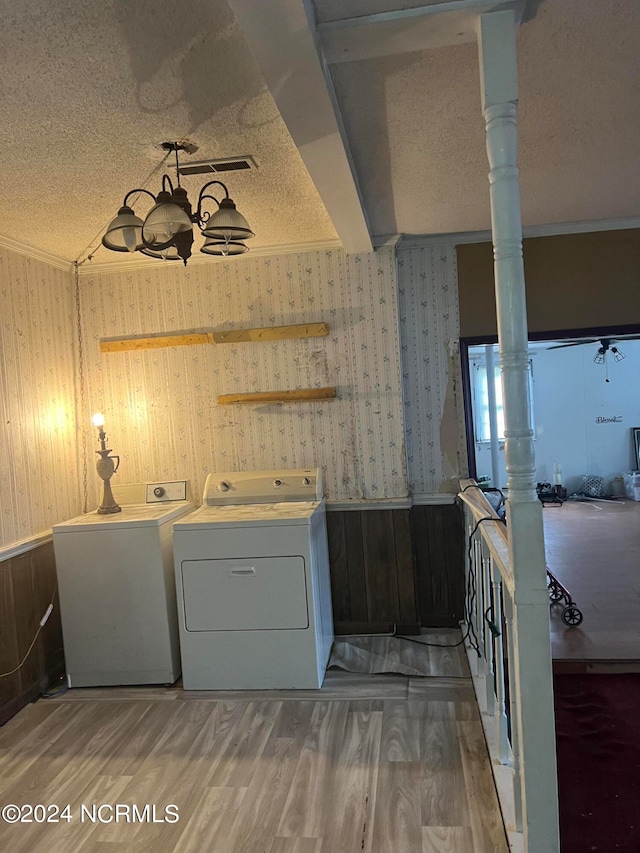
{"x":224,"y":164}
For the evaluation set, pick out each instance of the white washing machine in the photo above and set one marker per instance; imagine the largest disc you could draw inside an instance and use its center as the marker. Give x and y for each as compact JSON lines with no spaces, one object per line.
{"x":117,"y":588}
{"x":253,"y":584}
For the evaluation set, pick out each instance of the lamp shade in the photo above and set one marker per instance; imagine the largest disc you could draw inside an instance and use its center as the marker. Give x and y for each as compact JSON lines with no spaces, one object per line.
{"x":222,"y":247}
{"x":124,"y":232}
{"x":227,"y":224}
{"x":168,"y":254}
{"x":163,"y":222}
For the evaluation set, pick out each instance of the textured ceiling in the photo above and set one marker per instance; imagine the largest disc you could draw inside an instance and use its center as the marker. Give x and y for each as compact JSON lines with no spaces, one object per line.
{"x":417,"y":133}
{"x":88,"y":91}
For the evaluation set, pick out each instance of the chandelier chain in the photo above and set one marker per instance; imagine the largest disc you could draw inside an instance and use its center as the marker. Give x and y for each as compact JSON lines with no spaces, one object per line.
{"x":81,"y":418}
{"x":95,"y":243}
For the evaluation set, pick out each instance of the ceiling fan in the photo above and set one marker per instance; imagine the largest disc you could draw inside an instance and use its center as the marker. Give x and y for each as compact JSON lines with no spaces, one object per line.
{"x":605,"y":345}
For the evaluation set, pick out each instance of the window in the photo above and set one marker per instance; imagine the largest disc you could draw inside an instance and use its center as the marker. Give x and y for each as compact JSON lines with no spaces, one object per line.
{"x":480,"y":393}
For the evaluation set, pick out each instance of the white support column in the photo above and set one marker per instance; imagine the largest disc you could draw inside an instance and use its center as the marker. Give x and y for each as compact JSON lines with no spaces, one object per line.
{"x":532,"y":655}
{"x":493,"y":417}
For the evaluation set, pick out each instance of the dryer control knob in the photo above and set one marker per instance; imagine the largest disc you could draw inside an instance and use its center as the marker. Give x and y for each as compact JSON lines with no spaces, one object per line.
{"x":223,"y":486}
{"x":306,"y":481}
{"x":277,"y":483}
{"x":159,"y":491}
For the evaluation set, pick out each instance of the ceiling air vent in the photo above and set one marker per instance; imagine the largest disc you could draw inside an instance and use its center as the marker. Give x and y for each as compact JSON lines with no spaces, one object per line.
{"x":223,"y":164}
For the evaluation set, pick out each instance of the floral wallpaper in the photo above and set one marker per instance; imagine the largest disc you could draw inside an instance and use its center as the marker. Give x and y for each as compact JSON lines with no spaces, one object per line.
{"x":390,"y":353}
{"x":160,"y":405}
{"x":430,"y":329}
{"x":38,"y":449}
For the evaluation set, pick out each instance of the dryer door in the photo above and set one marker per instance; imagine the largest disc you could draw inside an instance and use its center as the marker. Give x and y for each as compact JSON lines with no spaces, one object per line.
{"x":253,"y":594}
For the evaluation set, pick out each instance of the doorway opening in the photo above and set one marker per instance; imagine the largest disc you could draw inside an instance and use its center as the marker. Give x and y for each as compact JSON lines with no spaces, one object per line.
{"x":584,"y":396}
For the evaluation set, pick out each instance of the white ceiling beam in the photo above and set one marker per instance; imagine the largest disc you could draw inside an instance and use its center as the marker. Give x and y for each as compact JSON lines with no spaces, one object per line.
{"x":281,"y":35}
{"x":406,"y":30}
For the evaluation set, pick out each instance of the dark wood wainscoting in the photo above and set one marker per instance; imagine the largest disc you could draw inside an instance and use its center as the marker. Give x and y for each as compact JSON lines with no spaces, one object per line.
{"x":27,"y":586}
{"x":396,"y":567}
{"x":372,"y":576}
{"x":438,"y":546}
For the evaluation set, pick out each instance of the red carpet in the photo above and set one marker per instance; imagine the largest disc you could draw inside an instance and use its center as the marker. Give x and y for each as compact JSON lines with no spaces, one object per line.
{"x":598,"y":739}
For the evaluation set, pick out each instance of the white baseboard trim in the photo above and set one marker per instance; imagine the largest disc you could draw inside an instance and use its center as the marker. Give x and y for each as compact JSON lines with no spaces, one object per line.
{"x":384,"y":503}
{"x":24,"y":545}
{"x":432,"y":498}
{"x":435,"y":499}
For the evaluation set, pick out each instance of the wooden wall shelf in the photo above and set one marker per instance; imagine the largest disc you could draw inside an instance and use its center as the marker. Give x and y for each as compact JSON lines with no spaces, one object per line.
{"x":123,"y":344}
{"x":272,"y":333}
{"x":232,"y":336}
{"x":301,"y":395}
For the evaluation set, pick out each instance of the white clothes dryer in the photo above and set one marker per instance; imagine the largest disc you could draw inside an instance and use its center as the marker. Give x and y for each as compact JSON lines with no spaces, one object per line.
{"x":253,"y":583}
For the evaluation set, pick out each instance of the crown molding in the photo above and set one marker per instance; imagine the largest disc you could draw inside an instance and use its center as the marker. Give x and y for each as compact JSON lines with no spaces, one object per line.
{"x":137,"y":262}
{"x":423,"y":241}
{"x":35,"y":254}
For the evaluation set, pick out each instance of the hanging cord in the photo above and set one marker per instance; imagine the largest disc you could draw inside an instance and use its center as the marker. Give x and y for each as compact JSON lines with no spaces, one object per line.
{"x":470,"y":597}
{"x":80,"y":416}
{"x":96,"y":242}
{"x":43,"y":622}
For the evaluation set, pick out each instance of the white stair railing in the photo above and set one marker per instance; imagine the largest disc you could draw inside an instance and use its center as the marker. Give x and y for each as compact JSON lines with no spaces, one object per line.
{"x":492,"y":650}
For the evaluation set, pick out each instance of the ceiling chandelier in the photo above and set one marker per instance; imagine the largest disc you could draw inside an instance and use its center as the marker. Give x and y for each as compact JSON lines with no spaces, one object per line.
{"x":167,"y":230}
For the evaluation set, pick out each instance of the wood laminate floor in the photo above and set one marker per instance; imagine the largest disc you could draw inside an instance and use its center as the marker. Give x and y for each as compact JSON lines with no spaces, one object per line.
{"x":594,"y":550}
{"x":372,"y":762}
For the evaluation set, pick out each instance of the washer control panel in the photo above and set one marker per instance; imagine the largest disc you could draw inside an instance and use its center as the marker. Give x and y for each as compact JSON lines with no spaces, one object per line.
{"x":175,"y":490}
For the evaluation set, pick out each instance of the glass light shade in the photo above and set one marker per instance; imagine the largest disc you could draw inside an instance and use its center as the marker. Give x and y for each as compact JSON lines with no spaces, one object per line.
{"x":163,"y":222}
{"x":227,"y":224}
{"x":168,"y":254}
{"x":124,"y":232}
{"x":223,"y":247}
{"x":98,"y":419}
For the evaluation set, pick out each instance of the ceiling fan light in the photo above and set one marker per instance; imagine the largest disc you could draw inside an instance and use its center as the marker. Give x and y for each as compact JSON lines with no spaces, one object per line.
{"x":227,"y":223}
{"x":617,"y":354}
{"x":223,"y":248}
{"x":124,"y":232}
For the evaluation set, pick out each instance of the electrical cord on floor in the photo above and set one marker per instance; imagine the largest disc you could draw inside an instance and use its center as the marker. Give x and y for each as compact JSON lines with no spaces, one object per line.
{"x":470,"y":597}
{"x":433,"y":645}
{"x":43,"y":622}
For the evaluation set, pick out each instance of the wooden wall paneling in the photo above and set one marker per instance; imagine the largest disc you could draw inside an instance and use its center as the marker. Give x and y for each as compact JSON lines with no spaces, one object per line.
{"x":438,"y":581}
{"x":438,"y":547}
{"x":339,"y":565}
{"x":405,"y":569}
{"x":355,"y":559}
{"x":27,"y":585}
{"x":9,"y":686}
{"x":27,"y":616}
{"x":52,"y":665}
{"x":380,"y":565}
{"x":372,"y":571}
{"x":454,"y":545}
